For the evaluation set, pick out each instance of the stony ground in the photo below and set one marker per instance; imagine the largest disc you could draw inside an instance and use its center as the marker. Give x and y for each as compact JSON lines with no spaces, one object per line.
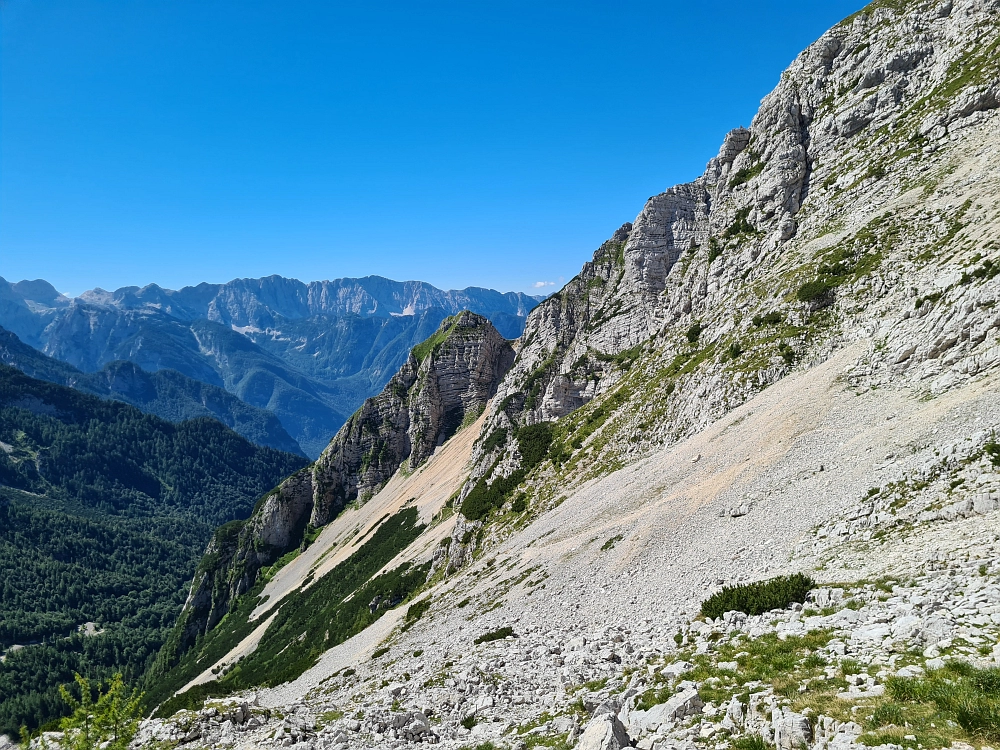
{"x":861,"y":490}
{"x":868,"y":467}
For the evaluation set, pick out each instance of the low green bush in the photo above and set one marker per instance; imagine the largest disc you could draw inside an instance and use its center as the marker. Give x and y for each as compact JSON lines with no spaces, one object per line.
{"x":992,"y":449}
{"x":772,"y":318}
{"x":416,"y":610}
{"x":813,"y":290}
{"x":760,"y":597}
{"x":495,"y":635}
{"x":533,"y":442}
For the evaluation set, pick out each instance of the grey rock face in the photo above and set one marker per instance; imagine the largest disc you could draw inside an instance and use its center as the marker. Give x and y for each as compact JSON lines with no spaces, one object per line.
{"x":858,"y":119}
{"x":457,"y":372}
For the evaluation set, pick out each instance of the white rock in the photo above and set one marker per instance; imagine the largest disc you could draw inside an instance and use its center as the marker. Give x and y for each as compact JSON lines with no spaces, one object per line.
{"x":604,"y":733}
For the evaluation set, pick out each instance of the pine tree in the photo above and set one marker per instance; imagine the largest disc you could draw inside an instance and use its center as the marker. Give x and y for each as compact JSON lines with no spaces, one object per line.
{"x":109,"y":723}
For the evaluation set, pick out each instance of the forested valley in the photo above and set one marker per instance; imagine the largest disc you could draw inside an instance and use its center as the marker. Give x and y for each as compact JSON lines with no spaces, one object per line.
{"x":104,"y":513}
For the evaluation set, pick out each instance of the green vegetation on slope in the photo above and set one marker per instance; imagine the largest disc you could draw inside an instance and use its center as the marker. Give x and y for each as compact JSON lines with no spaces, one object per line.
{"x":533,"y":442}
{"x":956,"y":694}
{"x":340,"y":604}
{"x":758,"y":598}
{"x":103,"y":513}
{"x":434,"y":342}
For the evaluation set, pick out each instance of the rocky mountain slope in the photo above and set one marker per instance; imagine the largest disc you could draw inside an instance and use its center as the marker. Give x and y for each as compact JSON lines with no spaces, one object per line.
{"x":166,"y":393}
{"x":309,"y":353}
{"x":787,"y":366}
{"x":444,"y":385}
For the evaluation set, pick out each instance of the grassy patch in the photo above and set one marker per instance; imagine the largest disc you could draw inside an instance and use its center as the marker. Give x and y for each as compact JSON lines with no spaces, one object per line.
{"x":749,"y":742}
{"x":958,"y":693}
{"x":611,"y":542}
{"x":432,"y":344}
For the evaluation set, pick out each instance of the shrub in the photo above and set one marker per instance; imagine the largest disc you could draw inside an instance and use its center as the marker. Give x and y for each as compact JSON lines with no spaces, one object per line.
{"x":760,"y":597}
{"x":416,"y":610}
{"x":772,"y":318}
{"x":813,"y":290}
{"x":741,"y":224}
{"x":746,"y":174}
{"x":495,"y":635}
{"x":787,"y":353}
{"x":496,"y":438}
{"x":611,"y":542}
{"x":992,"y":449}
{"x":380,"y":652}
{"x":714,"y":250}
{"x":694,"y":333}
{"x":533,"y":442}
{"x":469,"y":721}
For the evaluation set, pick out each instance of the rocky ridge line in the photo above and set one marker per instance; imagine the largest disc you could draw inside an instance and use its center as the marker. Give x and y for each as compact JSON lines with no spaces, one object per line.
{"x":446,"y":382}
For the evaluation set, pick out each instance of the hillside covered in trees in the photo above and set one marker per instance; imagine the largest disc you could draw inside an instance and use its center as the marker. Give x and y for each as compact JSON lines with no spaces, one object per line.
{"x":104,"y":512}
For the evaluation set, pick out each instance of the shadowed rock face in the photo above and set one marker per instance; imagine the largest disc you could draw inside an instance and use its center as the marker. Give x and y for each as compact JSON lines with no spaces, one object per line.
{"x":454,"y":376}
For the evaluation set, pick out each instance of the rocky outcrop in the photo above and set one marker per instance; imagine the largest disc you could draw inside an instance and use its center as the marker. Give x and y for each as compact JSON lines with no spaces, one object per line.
{"x":667,"y":327}
{"x":446,"y":382}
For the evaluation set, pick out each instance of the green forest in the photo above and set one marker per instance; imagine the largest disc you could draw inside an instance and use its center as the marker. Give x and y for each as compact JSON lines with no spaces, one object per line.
{"x":104,"y":513}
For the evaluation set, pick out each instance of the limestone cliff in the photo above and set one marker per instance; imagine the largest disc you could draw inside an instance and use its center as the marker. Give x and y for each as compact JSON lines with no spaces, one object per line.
{"x":446,"y":380}
{"x":821,"y":224}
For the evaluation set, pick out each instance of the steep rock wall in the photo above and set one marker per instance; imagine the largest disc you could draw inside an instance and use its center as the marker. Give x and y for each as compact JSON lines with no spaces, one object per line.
{"x":446,"y":379}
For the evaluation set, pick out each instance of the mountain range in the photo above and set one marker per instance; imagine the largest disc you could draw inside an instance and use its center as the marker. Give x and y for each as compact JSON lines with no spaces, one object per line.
{"x":735,"y":487}
{"x":307,"y":353}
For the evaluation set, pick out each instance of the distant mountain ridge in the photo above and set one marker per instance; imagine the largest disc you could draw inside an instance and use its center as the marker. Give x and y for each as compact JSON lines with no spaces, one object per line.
{"x":167,"y":394}
{"x":258,"y":303}
{"x":310,"y":353}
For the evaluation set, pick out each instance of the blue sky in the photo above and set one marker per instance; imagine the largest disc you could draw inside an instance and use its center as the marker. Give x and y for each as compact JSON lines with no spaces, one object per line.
{"x":460,"y":143}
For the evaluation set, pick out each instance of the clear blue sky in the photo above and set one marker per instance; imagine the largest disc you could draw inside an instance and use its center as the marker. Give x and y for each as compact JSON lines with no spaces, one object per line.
{"x":461,"y":143}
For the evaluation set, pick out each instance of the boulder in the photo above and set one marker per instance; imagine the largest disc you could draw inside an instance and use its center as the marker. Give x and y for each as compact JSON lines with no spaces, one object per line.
{"x":676,"y":669}
{"x":791,"y":730}
{"x":604,"y":732}
{"x":683,"y":704}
